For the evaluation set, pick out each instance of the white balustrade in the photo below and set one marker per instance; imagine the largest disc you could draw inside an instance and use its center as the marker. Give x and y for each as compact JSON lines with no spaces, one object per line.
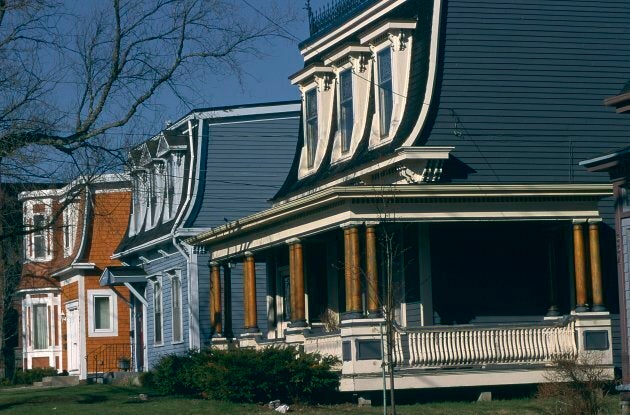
{"x":469,"y":345}
{"x":329,"y":345}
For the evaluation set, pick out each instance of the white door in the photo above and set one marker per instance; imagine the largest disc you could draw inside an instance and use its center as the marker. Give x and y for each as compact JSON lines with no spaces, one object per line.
{"x":73,"y":324}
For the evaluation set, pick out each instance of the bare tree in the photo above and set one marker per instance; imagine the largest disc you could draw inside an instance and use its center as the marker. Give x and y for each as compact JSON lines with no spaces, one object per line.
{"x":77,"y":77}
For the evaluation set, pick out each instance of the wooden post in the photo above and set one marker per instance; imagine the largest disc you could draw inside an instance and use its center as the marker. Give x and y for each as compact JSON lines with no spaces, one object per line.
{"x":371,"y":271}
{"x":298,"y":315}
{"x":596,"y":267}
{"x":580,"y":267}
{"x":352,"y":272}
{"x":291,"y":279}
{"x":215,"y":298}
{"x":249,"y":294}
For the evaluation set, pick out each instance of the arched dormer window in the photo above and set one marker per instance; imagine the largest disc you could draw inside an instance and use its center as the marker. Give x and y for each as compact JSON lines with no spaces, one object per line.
{"x":312,"y":126}
{"x":140,"y":191}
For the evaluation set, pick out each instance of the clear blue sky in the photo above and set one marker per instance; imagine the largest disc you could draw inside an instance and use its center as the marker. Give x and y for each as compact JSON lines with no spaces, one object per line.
{"x":266,"y":79}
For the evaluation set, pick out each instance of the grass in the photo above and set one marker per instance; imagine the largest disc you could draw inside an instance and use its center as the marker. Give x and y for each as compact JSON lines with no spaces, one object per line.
{"x":123,"y":400}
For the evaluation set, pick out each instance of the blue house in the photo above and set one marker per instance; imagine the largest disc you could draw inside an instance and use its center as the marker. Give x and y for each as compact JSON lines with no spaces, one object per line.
{"x":437,"y":170}
{"x":208,"y":168}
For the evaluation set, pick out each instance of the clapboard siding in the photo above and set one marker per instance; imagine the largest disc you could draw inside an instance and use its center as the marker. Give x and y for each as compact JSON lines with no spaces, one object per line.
{"x":521,"y":86}
{"x":238,"y":305}
{"x":247,"y":162}
{"x":159,"y":268}
{"x":203,"y":292}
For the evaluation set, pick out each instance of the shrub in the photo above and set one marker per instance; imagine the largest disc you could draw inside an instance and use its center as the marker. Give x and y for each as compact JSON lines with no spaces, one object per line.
{"x":29,"y":376}
{"x":247,"y":375}
{"x":577,"y":386}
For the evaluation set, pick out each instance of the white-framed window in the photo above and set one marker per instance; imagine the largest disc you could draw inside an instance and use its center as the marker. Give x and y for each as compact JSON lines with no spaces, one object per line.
{"x":157,"y":311}
{"x":346,"y":109}
{"x":385,"y":90}
{"x":102,"y":313}
{"x":70,"y":220}
{"x":312,"y":125}
{"x":39,"y":324}
{"x":37,"y":221}
{"x":176,"y":306}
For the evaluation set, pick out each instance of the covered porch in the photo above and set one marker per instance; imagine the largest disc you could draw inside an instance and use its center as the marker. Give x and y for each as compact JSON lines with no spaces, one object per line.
{"x":490,"y":284}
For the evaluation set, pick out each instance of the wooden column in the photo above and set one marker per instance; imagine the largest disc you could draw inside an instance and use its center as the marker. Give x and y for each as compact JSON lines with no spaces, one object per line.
{"x":580,"y":267}
{"x":596,"y":267}
{"x":249,"y":294}
{"x":296,"y":268}
{"x":352,"y":272}
{"x":215,"y":298}
{"x":371,"y":272}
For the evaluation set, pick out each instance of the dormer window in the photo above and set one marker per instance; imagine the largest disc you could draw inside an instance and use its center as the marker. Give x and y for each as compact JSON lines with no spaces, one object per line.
{"x":311,"y":126}
{"x":38,"y":239}
{"x":346,"y":113}
{"x":70,"y":219}
{"x":385,"y":91}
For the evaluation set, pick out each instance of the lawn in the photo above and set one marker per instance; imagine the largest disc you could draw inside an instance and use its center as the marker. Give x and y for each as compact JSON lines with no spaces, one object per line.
{"x":118,"y":400}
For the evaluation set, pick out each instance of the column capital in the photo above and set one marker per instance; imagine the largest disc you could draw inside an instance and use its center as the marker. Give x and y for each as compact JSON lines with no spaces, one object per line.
{"x":351,"y":224}
{"x":372,"y":223}
{"x":579,"y":221}
{"x":292,"y":241}
{"x":595,"y":221}
{"x":248,"y":254}
{"x":214,"y":263}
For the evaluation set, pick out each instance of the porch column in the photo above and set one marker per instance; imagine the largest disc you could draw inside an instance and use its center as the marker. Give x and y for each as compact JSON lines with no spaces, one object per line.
{"x":249,"y":293}
{"x":227,"y":300}
{"x":352,"y":272}
{"x":215,"y":298}
{"x":596,"y":266}
{"x":371,"y":272}
{"x":296,"y":270}
{"x":580,"y":266}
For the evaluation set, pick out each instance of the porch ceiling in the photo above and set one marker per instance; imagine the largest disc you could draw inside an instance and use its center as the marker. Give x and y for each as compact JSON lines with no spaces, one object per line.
{"x":330,"y":208}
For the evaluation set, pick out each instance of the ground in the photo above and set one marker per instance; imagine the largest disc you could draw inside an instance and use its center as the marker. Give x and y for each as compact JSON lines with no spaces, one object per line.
{"x":119,"y":400}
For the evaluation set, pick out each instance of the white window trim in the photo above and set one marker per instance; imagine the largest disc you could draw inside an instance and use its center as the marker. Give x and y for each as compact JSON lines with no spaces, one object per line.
{"x":157,"y":279}
{"x":70,"y":224}
{"x":175,"y":274}
{"x":113,"y":313}
{"x":29,"y":238}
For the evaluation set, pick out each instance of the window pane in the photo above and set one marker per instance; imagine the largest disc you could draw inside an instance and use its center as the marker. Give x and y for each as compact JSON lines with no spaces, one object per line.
{"x":39,"y":236}
{"x":40,"y":326}
{"x":157,"y":312}
{"x":385,"y":90}
{"x":176,"y":300}
{"x":311,"y":126}
{"x":101,"y":313}
{"x":346,"y":114}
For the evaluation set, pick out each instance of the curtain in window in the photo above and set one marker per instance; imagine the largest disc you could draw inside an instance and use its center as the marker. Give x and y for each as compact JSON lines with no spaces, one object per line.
{"x":40,"y":326}
{"x":176,"y":302}
{"x":101,"y":313}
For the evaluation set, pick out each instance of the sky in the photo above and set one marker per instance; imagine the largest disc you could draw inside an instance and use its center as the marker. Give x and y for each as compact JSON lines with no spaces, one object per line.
{"x":266,"y":78}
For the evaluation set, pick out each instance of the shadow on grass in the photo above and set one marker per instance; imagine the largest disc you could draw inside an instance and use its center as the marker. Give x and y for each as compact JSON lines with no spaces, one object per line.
{"x":92,"y":399}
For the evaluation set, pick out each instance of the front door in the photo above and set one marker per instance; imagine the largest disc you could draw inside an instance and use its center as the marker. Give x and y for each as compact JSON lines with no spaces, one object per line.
{"x":73,"y":339}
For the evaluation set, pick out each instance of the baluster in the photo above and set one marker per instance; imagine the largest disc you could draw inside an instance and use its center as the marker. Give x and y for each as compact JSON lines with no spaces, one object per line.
{"x":449,"y":347}
{"x":475,"y":349}
{"x":432,"y":348}
{"x":493,"y":346}
{"x":466,"y":346}
{"x":486,"y":347}
{"x":459,"y":347}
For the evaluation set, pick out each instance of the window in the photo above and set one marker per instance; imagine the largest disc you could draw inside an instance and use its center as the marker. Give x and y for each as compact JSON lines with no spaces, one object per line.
{"x":40,"y":237}
{"x":40,"y":326}
{"x":102,"y":313}
{"x":625,"y":198}
{"x":176,"y":307}
{"x":311,"y":126}
{"x":157,"y":312}
{"x":70,"y":218}
{"x":385,"y":92}
{"x":346,"y":113}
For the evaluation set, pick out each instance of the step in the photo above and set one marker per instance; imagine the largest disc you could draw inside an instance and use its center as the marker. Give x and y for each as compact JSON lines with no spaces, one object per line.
{"x":61,"y":380}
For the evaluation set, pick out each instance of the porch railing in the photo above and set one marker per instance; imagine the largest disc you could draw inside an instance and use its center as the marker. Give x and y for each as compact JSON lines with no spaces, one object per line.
{"x":112,"y":357}
{"x":329,"y":345}
{"x":441,"y":346}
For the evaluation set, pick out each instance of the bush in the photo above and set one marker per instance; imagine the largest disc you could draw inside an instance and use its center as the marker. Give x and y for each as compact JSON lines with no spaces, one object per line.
{"x":29,"y":376}
{"x":578,"y":386}
{"x":246,"y":375}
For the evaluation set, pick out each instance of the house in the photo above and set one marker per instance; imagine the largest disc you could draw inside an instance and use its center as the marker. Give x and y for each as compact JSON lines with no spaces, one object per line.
{"x":617,"y":165}
{"x":68,"y":321}
{"x":437,"y":166}
{"x":209,"y":167}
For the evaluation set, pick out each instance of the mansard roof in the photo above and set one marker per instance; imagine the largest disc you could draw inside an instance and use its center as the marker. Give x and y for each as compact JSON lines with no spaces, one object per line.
{"x":518,"y":89}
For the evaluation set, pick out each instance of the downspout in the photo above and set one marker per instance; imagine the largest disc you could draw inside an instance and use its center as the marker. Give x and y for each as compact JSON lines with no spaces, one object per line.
{"x":193,"y":320}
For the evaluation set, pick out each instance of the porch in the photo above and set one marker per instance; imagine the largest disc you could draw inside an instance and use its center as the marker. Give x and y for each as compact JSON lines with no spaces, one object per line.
{"x":477,"y":299}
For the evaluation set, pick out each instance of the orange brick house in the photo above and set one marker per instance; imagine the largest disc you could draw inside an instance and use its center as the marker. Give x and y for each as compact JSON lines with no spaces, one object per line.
{"x":68,"y":321}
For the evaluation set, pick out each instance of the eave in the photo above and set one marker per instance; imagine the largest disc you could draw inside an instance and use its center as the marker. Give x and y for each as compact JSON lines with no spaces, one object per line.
{"x":333,"y":195}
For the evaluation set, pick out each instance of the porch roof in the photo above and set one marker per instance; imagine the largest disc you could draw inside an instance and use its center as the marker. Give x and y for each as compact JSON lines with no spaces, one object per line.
{"x":119,"y":275}
{"x":329,"y":208}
